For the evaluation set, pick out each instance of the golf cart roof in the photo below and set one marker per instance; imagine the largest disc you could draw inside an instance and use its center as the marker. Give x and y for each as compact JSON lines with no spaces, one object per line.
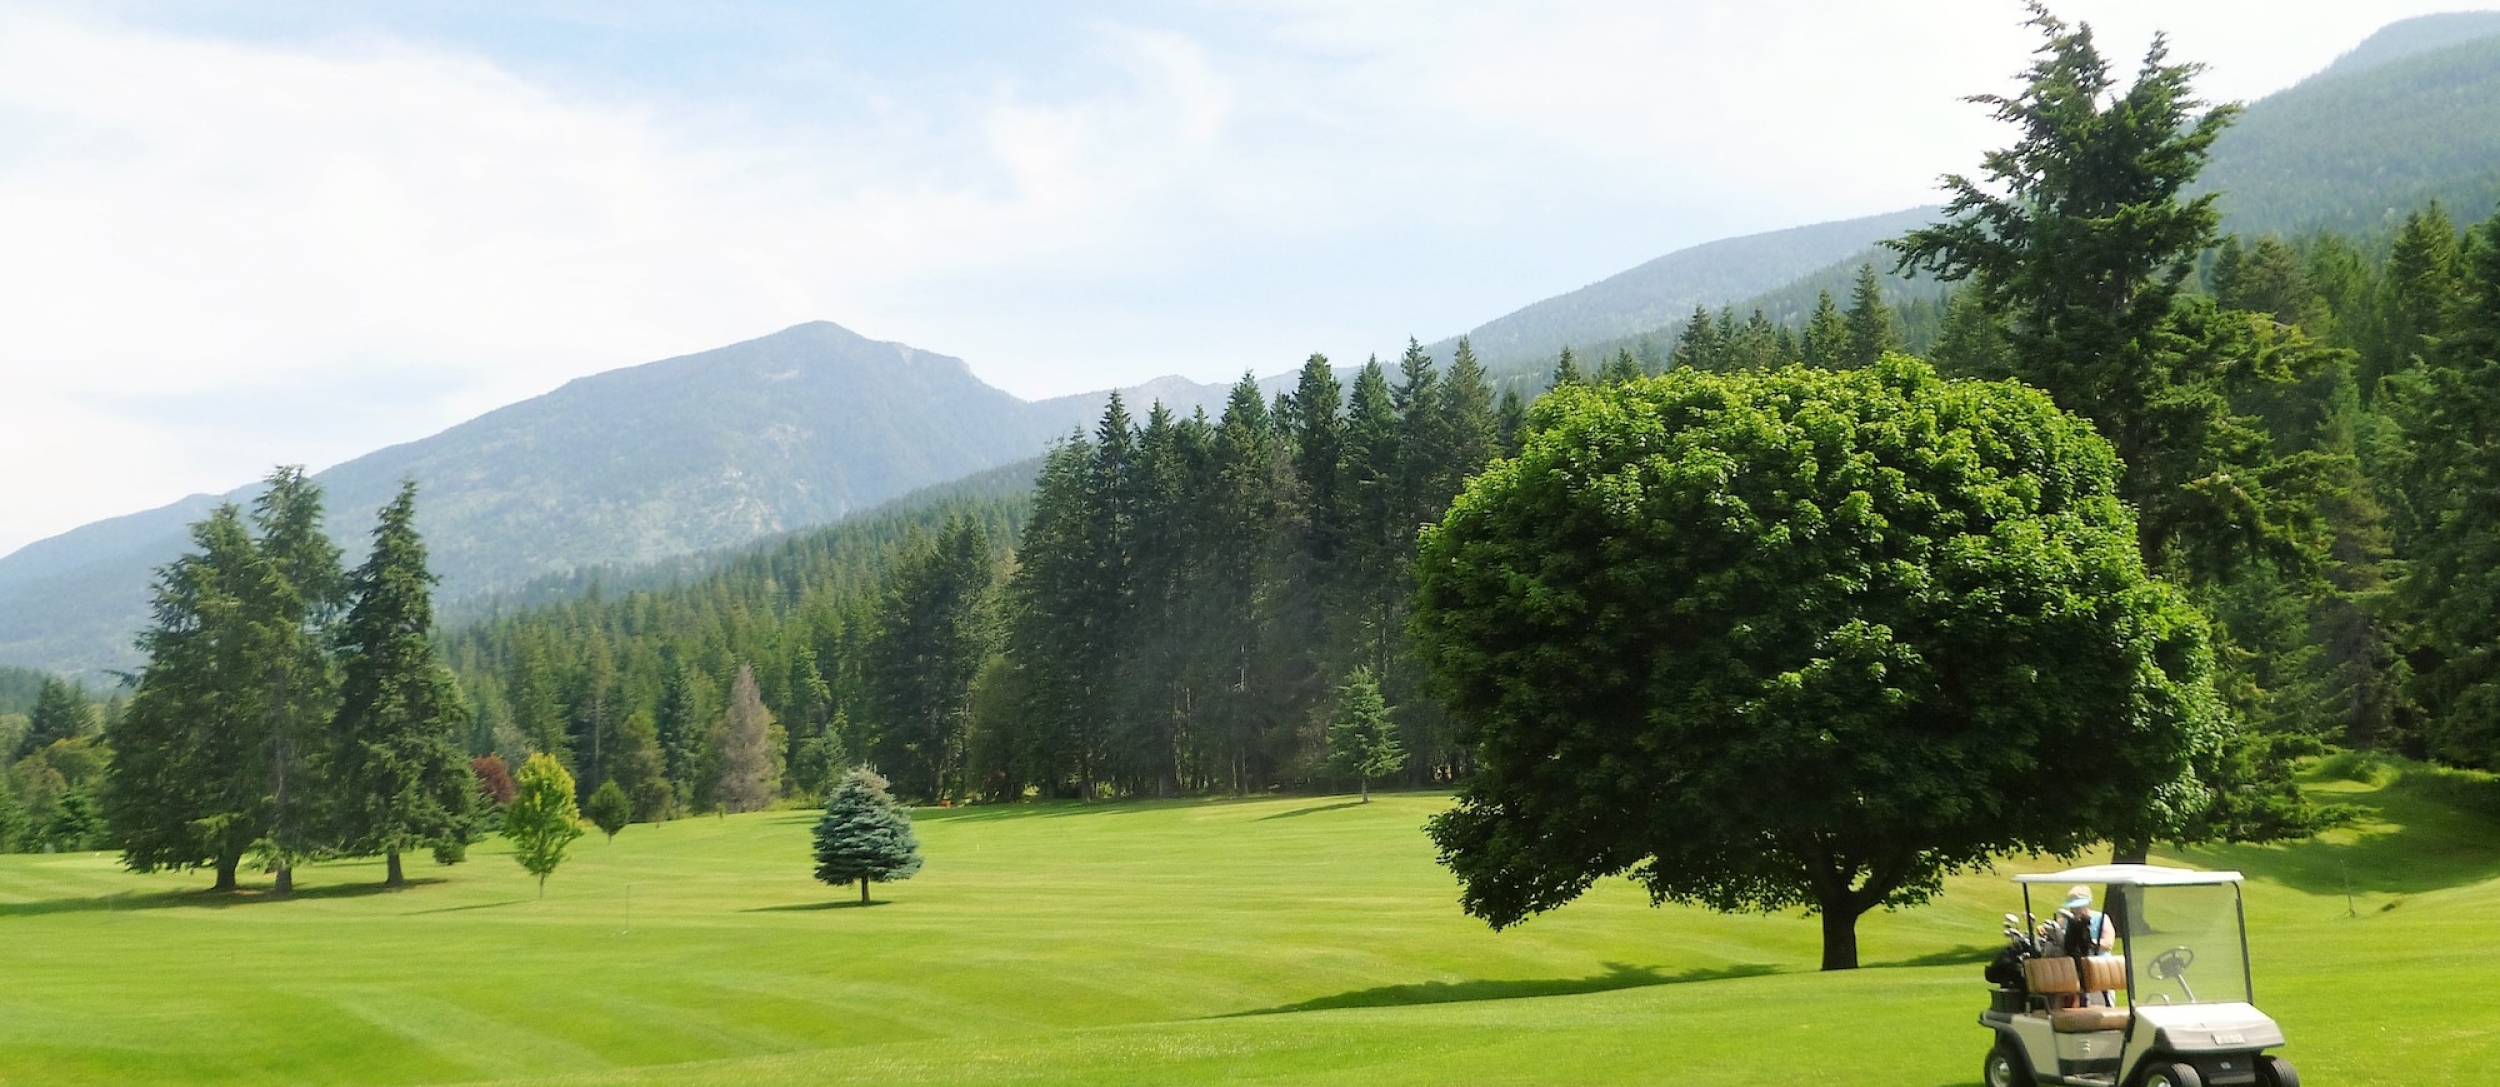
{"x":2140,"y":875}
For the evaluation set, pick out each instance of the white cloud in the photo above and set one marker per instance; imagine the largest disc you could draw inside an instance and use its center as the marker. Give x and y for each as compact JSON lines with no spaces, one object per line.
{"x":367,"y":239}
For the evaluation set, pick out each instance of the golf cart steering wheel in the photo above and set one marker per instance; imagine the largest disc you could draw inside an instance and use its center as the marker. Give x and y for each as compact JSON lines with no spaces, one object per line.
{"x":2169,"y":965}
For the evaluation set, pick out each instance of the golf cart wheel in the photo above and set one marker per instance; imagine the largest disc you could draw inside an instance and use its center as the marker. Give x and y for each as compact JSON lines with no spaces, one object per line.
{"x":2006,"y":1067}
{"x":2170,"y":1075}
{"x":2273,"y":1071}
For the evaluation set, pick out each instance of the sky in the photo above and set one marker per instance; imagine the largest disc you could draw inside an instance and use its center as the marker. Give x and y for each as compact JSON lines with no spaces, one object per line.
{"x":241,"y":234}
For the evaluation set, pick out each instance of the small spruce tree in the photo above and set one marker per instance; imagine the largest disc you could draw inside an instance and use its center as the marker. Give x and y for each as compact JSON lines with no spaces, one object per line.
{"x":609,"y":808}
{"x":865,"y":835}
{"x":542,"y":819}
{"x":1361,"y":741}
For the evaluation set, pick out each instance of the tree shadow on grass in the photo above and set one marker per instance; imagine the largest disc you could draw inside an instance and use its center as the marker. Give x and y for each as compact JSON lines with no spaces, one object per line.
{"x":812,"y":907}
{"x":1338,"y":806}
{"x":1617,"y":976}
{"x":201,"y":899}
{"x":467,"y":908}
{"x":2415,"y":829}
{"x":1965,"y":955}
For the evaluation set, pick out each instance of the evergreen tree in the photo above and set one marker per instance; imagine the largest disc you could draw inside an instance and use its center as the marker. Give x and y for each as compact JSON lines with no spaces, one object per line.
{"x":1753,"y":345}
{"x":537,"y":713}
{"x":1510,"y":423}
{"x":747,"y":754}
{"x":685,"y":705}
{"x":1620,"y":369}
{"x":1971,"y":344}
{"x":864,"y":835}
{"x":1698,"y":346}
{"x":1827,"y":335}
{"x":932,"y":634}
{"x":640,"y":770}
{"x":2081,"y":256}
{"x":1052,"y":629}
{"x":400,"y":770}
{"x":1469,"y":420}
{"x":1361,"y":742}
{"x":543,"y":819}
{"x":2421,"y":293}
{"x":1315,"y":416}
{"x":293,"y":606}
{"x":2452,"y":586}
{"x":2267,"y":280}
{"x":1871,"y":328}
{"x":1566,"y":372}
{"x":61,"y":712}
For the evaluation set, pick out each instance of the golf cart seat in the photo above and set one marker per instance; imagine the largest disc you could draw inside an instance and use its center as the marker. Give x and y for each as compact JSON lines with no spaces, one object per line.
{"x":2087,"y":1019}
{"x":2056,"y":975}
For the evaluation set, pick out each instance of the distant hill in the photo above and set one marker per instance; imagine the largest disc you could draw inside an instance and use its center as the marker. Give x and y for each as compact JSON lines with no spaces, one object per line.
{"x":1665,"y":290}
{"x":2403,"y":119}
{"x":685,"y":457}
{"x":2413,"y":37}
{"x":2395,"y":124}
{"x":618,"y":470}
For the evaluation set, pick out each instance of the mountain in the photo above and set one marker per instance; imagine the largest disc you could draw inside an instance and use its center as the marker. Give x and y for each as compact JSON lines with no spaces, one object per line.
{"x":616,"y":470}
{"x":1664,"y":291}
{"x":2402,"y":119}
{"x":2398,"y":122}
{"x":719,"y":449}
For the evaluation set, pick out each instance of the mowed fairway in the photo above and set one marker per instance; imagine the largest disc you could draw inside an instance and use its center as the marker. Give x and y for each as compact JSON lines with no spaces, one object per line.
{"x":1299,"y":940}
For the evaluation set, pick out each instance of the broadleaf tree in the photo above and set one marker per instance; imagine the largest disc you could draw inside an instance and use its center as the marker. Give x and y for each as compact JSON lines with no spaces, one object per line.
{"x":543,"y":819}
{"x":1802,"y":638}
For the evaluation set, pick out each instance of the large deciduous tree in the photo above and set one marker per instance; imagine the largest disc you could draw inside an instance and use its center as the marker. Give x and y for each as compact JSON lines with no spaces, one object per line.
{"x":403,"y":778}
{"x":1802,"y":638}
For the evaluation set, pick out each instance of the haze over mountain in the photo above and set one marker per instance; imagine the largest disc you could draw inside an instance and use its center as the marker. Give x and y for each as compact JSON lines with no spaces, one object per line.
{"x":718,"y":449}
{"x":2402,"y":119}
{"x":622,"y":468}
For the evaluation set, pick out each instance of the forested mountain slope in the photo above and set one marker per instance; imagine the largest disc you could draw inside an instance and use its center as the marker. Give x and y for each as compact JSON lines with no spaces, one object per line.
{"x":619,"y":469}
{"x":2403,"y":119}
{"x":1665,"y":290}
{"x":2355,"y":147}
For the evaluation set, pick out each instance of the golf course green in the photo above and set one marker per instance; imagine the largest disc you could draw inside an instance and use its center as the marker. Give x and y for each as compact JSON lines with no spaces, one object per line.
{"x":1298,"y":940}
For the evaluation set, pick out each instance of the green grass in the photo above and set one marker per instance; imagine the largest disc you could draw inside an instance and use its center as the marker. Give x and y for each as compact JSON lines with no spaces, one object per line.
{"x":1306,"y":940}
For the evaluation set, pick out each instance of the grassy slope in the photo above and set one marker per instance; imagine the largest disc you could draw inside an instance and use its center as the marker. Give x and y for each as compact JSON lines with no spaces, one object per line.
{"x":1121,"y":945}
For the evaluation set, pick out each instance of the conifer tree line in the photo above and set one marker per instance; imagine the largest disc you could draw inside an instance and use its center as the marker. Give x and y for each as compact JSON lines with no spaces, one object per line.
{"x":766,"y":679}
{"x":2309,"y":430}
{"x":289,"y":709}
{"x":1191,"y":593}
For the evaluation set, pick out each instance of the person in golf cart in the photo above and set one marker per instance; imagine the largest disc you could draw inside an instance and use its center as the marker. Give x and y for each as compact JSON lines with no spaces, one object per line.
{"x":2085,"y":932}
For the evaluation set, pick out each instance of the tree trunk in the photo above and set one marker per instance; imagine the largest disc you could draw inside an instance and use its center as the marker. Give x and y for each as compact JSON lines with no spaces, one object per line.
{"x":1367,"y":789}
{"x":1840,"y":939}
{"x":542,"y":886}
{"x":226,"y":864}
{"x":863,"y":890}
{"x":285,"y":881}
{"x":396,"y":877}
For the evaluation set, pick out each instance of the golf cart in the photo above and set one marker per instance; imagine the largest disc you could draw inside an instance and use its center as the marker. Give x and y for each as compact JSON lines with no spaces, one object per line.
{"x":2177,"y":1009}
